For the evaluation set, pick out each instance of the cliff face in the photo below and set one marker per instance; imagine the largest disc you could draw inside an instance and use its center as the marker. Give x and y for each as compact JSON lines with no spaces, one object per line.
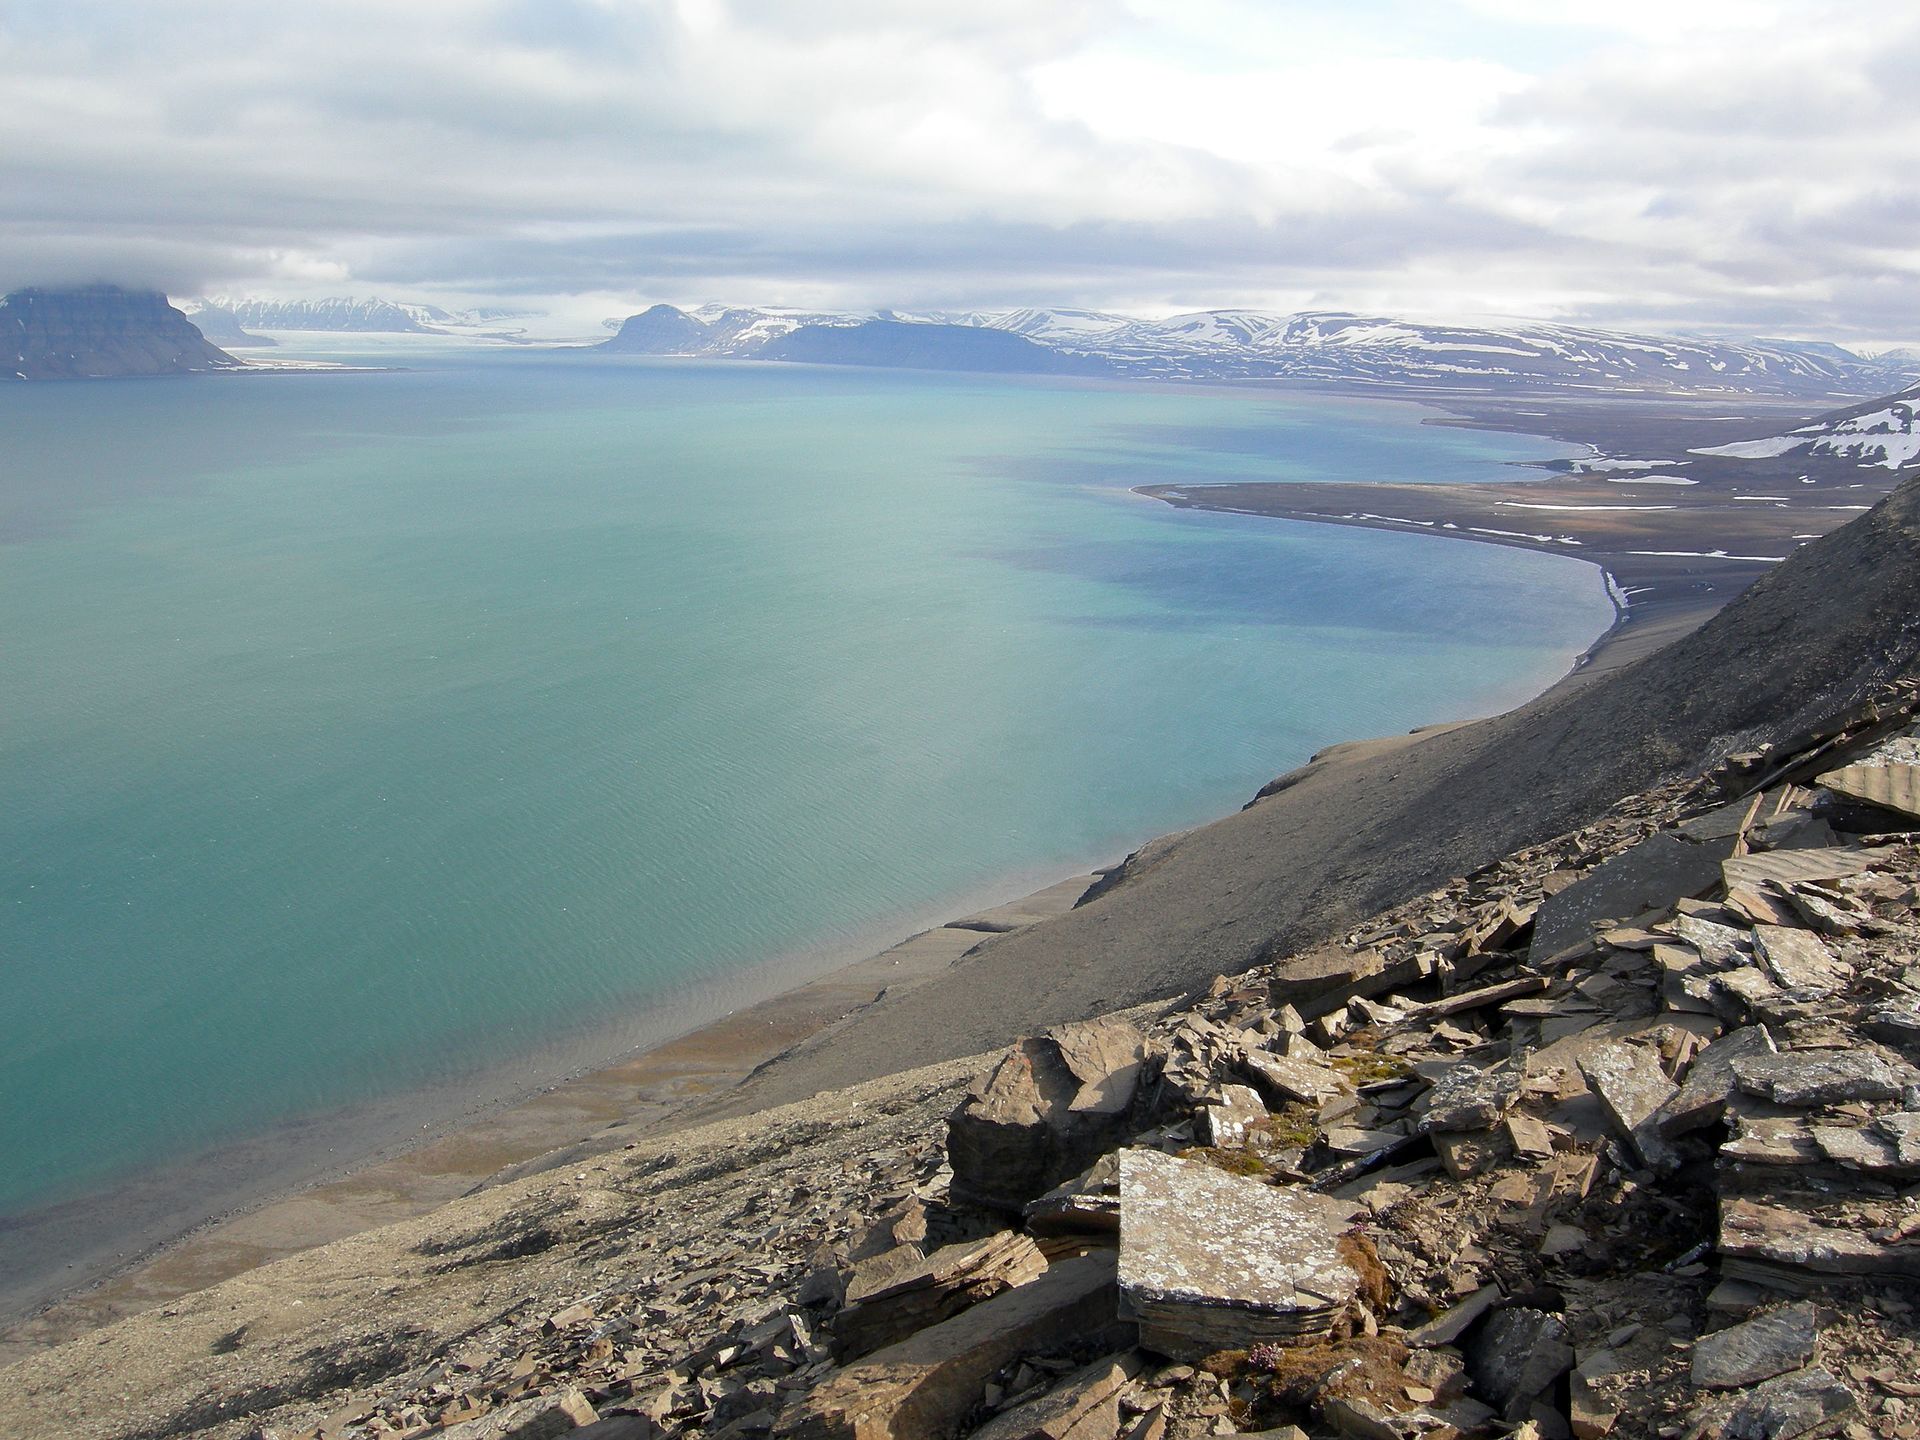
{"x":99,"y":330}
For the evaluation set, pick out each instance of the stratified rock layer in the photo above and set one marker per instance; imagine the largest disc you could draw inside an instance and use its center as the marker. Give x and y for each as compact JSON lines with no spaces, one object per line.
{"x":98,"y":331}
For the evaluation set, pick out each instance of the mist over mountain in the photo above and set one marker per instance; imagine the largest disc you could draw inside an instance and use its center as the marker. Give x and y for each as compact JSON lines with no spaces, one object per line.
{"x":221,"y":325}
{"x":100,"y":331}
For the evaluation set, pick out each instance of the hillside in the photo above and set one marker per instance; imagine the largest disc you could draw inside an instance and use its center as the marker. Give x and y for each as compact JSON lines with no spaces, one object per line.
{"x":97,"y":332}
{"x":895,"y":343}
{"x":1877,"y":432}
{"x":661,"y":330}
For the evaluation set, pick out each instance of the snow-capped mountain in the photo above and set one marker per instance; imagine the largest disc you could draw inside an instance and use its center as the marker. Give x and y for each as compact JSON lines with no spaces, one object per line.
{"x":338,"y":313}
{"x":1879,"y":433}
{"x":1343,"y":348}
{"x":1056,"y":327}
{"x":347,"y":313}
{"x":1337,"y":348}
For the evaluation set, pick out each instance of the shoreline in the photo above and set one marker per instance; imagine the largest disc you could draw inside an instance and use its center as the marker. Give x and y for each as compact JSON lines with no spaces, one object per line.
{"x":604,"y":1105}
{"x":551,"y":1110}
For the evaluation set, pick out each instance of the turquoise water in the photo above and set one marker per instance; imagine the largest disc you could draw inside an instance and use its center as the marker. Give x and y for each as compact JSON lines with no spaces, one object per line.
{"x":367,"y":731}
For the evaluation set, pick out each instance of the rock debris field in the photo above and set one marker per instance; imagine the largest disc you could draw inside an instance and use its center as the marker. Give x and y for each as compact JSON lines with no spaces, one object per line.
{"x":1619,"y":1136}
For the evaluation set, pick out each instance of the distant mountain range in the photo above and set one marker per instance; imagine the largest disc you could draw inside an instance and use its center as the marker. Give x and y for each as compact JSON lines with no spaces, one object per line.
{"x":1322,"y":346}
{"x":100,"y":331}
{"x":348,"y":314}
{"x":1326,"y":347}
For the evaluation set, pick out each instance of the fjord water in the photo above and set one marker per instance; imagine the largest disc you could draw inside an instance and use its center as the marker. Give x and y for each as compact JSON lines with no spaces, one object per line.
{"x":369,"y":732}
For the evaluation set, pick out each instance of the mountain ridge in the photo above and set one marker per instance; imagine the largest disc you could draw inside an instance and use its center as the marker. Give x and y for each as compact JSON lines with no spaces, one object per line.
{"x":1343,"y":348}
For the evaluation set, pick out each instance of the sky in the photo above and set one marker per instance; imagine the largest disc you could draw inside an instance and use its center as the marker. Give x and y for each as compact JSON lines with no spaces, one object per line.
{"x":1715,"y":165}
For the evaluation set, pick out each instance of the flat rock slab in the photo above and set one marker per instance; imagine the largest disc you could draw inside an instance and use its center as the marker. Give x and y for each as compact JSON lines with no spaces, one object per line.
{"x":1632,"y":1086}
{"x":1822,"y":1077}
{"x":924,"y":1387}
{"x":1902,"y":1132}
{"x":536,"y":1419}
{"x":1285,"y":1080}
{"x":1891,"y":787}
{"x":1468,"y":1097}
{"x":1652,"y":875}
{"x":1777,"y":1241}
{"x":1211,"y":1261}
{"x":1756,"y":1350}
{"x":1799,"y":959}
{"x":1807,"y":1402}
{"x":1784,"y":867}
{"x":1702,"y":1097}
{"x":1719,"y":945}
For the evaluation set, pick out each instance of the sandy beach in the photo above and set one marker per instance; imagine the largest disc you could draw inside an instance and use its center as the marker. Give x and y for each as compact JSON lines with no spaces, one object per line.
{"x":865,"y":1019}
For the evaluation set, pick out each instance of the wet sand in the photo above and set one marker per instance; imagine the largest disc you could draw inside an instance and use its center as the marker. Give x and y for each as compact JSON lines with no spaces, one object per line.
{"x":598,"y":1111}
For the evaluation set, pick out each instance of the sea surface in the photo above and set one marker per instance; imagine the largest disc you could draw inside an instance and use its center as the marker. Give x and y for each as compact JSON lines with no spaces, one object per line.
{"x":369,"y":732}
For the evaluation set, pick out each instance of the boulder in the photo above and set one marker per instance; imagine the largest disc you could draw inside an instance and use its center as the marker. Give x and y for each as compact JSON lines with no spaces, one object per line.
{"x":924,"y":1387}
{"x":1822,"y":1077}
{"x":1467,"y":1097}
{"x":1051,"y":1105}
{"x":1702,"y":1097}
{"x":1805,"y":1403}
{"x":1757,"y":1349}
{"x":1211,"y":1261}
{"x":1084,"y":1396}
{"x":1516,"y":1357}
{"x":942,"y":1285}
{"x":1226,"y":1124}
{"x":1632,"y":1087}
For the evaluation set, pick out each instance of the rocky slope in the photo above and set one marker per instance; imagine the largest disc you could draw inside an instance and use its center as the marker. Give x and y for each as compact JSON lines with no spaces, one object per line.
{"x":1616,"y":1137}
{"x":98,"y":331}
{"x":1363,"y":826}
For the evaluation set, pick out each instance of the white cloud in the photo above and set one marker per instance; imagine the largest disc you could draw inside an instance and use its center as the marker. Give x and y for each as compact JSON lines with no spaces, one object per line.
{"x":1730,"y":163}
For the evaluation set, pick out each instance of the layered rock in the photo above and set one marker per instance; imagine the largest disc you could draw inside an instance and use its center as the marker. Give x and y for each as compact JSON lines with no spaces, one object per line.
{"x":98,"y":331}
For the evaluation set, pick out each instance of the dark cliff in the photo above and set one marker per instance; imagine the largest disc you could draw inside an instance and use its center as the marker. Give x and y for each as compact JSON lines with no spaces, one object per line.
{"x":100,"y":330}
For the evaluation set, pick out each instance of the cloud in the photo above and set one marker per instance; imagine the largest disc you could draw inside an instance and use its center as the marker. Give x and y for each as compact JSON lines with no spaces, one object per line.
{"x":1724,"y":163}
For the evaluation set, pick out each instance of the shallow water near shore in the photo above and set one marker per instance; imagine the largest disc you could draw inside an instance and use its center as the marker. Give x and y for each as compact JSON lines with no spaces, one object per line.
{"x":368,"y":732}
